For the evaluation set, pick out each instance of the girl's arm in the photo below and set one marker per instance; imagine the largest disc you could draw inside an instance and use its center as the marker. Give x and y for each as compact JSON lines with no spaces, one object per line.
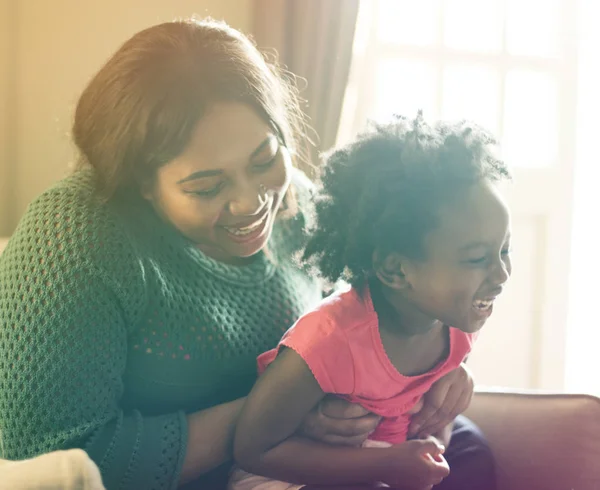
{"x":274,"y":410}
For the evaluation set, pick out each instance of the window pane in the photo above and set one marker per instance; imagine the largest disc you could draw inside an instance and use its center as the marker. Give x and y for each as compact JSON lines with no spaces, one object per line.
{"x":403,"y":87}
{"x":473,"y":25}
{"x":408,"y":22}
{"x":530,"y":119}
{"x":533,"y":27}
{"x":472,"y":92}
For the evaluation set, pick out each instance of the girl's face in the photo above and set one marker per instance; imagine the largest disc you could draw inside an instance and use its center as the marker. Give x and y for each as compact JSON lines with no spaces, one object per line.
{"x":223,"y":192}
{"x":466,"y":263}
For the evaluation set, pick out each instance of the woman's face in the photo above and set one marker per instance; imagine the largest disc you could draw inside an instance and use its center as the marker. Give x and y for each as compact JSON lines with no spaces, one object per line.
{"x":223,"y":192}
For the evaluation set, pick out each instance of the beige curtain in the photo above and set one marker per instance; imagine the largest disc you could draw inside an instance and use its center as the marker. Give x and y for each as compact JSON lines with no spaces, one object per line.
{"x":314,"y":41}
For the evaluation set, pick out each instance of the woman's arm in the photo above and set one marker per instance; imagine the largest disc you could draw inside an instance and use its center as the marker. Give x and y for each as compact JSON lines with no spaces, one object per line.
{"x":70,"y":288}
{"x":210,"y":439}
{"x":338,"y":422}
{"x":444,"y":435}
{"x":447,"y":398}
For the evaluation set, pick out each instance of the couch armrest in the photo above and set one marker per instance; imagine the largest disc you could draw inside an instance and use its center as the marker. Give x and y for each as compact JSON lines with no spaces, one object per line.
{"x":541,"y":441}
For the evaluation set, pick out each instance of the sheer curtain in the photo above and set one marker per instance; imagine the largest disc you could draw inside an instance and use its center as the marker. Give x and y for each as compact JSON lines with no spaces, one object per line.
{"x":314,"y":41}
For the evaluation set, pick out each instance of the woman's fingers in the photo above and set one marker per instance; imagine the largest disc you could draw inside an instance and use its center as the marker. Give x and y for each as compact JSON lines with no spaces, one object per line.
{"x":434,"y":402}
{"x":347,"y":432}
{"x":338,"y":408}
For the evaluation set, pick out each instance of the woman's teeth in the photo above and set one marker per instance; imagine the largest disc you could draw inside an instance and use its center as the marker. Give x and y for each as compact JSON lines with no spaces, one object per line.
{"x":246,"y":230}
{"x":483,"y":305}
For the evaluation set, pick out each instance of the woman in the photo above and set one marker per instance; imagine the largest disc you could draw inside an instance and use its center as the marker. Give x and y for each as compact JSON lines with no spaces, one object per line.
{"x":136,"y":294}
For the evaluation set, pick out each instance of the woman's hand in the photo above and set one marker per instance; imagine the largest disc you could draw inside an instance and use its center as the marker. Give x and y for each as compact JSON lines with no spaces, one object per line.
{"x":339,"y":422}
{"x":447,"y":398}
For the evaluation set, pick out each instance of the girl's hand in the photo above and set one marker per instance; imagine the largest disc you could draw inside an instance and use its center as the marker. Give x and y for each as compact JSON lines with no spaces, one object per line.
{"x":338,"y":422}
{"x":415,"y":465}
{"x":447,"y":398}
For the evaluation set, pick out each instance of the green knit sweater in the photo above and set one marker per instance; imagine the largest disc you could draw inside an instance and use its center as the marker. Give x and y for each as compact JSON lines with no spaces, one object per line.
{"x":113,"y":326}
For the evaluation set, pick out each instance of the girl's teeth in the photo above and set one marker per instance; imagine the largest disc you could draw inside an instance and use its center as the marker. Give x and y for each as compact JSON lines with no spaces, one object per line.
{"x":482,"y":305}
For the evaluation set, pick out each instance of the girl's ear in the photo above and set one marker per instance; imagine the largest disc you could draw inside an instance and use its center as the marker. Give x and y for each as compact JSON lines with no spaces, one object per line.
{"x":390,"y":270}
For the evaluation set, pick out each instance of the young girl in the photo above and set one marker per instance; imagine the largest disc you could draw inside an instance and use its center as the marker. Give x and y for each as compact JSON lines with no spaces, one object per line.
{"x":410,"y":216}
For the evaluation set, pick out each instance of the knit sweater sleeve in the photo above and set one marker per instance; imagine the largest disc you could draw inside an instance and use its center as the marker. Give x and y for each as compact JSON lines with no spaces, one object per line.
{"x":70,"y":288}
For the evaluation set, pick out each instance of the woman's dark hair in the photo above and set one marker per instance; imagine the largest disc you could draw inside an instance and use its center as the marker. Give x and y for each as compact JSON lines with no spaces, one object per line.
{"x":139,"y":110}
{"x":384,"y":191}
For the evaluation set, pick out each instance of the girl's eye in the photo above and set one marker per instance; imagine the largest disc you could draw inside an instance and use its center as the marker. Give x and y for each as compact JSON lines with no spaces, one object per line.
{"x":478,"y":260}
{"x":506,"y":251}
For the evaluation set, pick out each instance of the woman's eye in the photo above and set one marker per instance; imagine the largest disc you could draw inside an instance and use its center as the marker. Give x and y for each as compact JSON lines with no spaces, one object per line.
{"x":506,"y":251}
{"x":212,"y":192}
{"x":261,"y":167}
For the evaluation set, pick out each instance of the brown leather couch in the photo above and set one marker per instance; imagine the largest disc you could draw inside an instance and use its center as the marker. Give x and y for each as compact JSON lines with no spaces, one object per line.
{"x":541,"y":441}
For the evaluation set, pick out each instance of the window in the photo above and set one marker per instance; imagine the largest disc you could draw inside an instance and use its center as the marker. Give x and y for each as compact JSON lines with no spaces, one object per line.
{"x":470,"y":59}
{"x":512,"y":66}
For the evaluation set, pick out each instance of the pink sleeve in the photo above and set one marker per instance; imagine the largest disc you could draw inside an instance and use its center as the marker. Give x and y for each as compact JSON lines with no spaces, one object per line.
{"x":324,"y":347}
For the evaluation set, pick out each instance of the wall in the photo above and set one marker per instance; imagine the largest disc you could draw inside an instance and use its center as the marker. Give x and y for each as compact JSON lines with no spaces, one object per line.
{"x":48,"y":51}
{"x":5,"y":89}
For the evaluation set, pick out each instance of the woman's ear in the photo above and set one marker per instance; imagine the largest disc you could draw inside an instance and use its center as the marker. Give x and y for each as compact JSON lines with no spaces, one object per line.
{"x":146,"y":187}
{"x":390,"y":270}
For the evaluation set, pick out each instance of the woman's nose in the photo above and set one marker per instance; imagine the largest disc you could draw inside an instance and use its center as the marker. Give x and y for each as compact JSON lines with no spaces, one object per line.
{"x":247,"y":202}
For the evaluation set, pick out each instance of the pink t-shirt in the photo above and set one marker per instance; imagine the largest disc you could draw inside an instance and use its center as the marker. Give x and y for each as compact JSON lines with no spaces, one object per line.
{"x":341,"y":344}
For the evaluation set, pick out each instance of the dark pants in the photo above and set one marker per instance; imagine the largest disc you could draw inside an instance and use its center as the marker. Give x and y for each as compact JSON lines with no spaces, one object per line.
{"x":470,"y":459}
